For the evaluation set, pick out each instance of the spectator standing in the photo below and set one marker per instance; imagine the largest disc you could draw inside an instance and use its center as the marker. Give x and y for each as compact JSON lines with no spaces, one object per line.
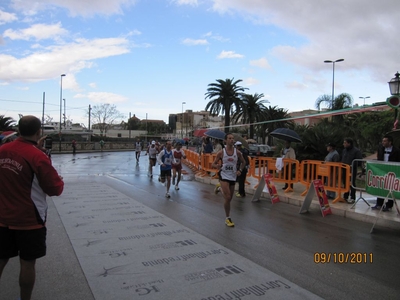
{"x":207,"y":145}
{"x":332,"y":156}
{"x":26,"y":177}
{"x":349,"y":154}
{"x":386,"y":152}
{"x":218,"y":146}
{"x":289,"y":153}
{"x":241,"y":179}
{"x":101,"y":145}
{"x":73,"y":143}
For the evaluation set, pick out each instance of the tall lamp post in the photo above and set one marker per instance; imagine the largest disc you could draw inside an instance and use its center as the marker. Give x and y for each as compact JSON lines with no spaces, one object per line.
{"x":364,"y":98}
{"x":182,"y":121}
{"x":333,"y":77}
{"x":59,"y":133}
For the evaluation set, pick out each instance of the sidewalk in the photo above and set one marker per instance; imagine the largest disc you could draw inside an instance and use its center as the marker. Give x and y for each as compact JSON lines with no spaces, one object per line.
{"x":360,"y":212}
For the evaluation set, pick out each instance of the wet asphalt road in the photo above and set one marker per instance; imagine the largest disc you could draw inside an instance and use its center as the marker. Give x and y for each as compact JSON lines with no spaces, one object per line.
{"x":276,"y":236}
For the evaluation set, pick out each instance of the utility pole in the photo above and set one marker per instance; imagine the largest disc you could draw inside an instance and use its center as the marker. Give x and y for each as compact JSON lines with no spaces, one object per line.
{"x":90,"y":134}
{"x":129,"y":125}
{"x":44,"y":97}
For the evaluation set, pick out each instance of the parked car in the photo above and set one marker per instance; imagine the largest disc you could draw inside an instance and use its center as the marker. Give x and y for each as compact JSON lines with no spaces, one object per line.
{"x":260,"y":150}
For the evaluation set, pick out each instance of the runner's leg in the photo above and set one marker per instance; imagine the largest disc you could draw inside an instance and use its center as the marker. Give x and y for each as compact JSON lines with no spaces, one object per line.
{"x":27,"y":277}
{"x":227,"y":192}
{"x":178,"y":179}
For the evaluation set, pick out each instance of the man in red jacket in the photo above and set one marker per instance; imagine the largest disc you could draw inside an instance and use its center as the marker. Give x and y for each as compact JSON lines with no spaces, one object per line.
{"x":26,"y":177}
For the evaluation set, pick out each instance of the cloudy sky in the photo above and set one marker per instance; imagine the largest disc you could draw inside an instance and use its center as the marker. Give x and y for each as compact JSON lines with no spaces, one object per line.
{"x":149,"y":56}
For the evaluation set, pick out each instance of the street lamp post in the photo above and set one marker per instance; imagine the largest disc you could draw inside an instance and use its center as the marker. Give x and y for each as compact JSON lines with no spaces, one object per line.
{"x":147,"y":132}
{"x":333,"y":77}
{"x":364,"y":98}
{"x":394,"y":85}
{"x":59,"y":133}
{"x":182,"y":121}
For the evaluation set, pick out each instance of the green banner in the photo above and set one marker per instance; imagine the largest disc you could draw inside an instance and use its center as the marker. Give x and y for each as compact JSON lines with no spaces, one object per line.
{"x":381,"y":178}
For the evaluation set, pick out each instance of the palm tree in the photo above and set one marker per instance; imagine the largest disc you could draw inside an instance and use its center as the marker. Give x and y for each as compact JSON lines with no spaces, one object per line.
{"x":225,"y":98}
{"x":6,"y":123}
{"x":252,"y":110}
{"x":340,"y":102}
{"x":276,"y":118}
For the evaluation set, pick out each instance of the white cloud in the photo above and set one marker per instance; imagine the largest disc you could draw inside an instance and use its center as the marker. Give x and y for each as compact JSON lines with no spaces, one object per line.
{"x":260,"y":63}
{"x":192,"y":42}
{"x":251,"y":81}
{"x":72,"y":57}
{"x":93,"y":85}
{"x":216,"y":37}
{"x":102,"y":97}
{"x":85,"y":8}
{"x":186,"y":2}
{"x":328,"y":31}
{"x":220,"y":38}
{"x":296,"y":85}
{"x":134,"y":32}
{"x":229,"y":54}
{"x":6,"y":17}
{"x":37,"y":32}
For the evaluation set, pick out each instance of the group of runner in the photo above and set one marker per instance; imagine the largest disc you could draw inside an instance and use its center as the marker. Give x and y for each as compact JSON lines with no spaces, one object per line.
{"x":170,"y":161}
{"x":229,"y":162}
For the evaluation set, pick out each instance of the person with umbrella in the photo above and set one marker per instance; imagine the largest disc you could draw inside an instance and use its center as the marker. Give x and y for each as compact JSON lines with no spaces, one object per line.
{"x":207,"y":145}
{"x":218,"y":145}
{"x":289,"y":153}
{"x":228,"y":172}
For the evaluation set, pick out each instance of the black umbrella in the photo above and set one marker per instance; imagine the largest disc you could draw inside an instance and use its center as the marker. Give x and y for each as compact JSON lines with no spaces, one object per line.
{"x":215,"y":133}
{"x":286,"y":134}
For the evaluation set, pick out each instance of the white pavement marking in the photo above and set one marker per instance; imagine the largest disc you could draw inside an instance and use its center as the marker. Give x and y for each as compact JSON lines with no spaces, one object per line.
{"x":127,"y":250}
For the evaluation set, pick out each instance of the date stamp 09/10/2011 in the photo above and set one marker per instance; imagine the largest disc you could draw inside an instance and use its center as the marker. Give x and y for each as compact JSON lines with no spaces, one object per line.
{"x":343,"y":258}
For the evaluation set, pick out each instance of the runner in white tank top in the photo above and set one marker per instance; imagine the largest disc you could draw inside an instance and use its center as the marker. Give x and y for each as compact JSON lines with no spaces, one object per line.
{"x":228,"y":173}
{"x":228,"y":168}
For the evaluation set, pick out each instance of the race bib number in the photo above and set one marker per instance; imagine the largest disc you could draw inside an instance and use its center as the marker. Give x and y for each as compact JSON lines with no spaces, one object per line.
{"x":167,"y":161}
{"x":228,"y":168}
{"x":177,"y":161}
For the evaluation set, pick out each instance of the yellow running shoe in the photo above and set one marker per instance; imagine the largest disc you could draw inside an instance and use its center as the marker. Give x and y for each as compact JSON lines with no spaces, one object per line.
{"x":229,"y":223}
{"x":217,"y":188}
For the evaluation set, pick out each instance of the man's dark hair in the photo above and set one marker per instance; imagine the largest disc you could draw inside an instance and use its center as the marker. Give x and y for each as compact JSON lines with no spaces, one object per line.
{"x":349,"y":141}
{"x":29,"y":125}
{"x":226,"y":136}
{"x":389,"y":138}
